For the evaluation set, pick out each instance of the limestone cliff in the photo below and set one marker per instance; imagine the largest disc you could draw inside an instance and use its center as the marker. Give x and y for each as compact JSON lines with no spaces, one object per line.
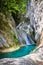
{"x":7,"y":31}
{"x":35,"y":14}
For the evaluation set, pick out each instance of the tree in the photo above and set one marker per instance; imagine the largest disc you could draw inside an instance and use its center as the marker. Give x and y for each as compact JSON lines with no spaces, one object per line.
{"x":13,"y":6}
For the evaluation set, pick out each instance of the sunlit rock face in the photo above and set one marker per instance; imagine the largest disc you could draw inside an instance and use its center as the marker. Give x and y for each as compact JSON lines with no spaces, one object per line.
{"x":3,"y":42}
{"x":35,"y":13}
{"x":7,"y":28}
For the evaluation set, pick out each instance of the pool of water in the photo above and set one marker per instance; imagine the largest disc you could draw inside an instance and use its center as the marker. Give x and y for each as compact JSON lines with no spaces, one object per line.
{"x":24,"y":50}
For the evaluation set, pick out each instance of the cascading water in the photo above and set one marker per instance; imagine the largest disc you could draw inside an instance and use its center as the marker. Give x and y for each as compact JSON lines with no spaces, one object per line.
{"x":22,"y":34}
{"x":35,"y":14}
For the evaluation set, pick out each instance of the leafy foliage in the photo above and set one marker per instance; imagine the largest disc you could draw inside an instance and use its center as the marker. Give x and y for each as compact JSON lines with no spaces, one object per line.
{"x":13,"y":6}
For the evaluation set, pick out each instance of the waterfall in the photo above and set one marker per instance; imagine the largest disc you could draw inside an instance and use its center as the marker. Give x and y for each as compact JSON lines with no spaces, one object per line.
{"x":35,"y":14}
{"x":25,"y":37}
{"x":22,"y":29}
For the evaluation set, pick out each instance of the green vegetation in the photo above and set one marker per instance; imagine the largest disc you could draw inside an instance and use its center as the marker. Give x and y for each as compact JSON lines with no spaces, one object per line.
{"x":13,"y":6}
{"x":9,"y":8}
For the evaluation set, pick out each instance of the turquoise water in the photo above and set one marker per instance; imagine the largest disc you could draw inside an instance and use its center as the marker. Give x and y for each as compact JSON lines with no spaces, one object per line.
{"x":24,"y":50}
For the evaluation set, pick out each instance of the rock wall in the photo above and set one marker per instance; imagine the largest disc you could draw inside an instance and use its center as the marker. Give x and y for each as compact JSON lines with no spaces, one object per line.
{"x":35,"y":13}
{"x":7,"y":31}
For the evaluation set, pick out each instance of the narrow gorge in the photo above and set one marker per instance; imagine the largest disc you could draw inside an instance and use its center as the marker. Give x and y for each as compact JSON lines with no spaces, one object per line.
{"x":31,"y":25}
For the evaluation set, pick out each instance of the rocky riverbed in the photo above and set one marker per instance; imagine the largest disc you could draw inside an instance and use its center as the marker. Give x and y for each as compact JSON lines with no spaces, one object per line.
{"x":35,"y":58}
